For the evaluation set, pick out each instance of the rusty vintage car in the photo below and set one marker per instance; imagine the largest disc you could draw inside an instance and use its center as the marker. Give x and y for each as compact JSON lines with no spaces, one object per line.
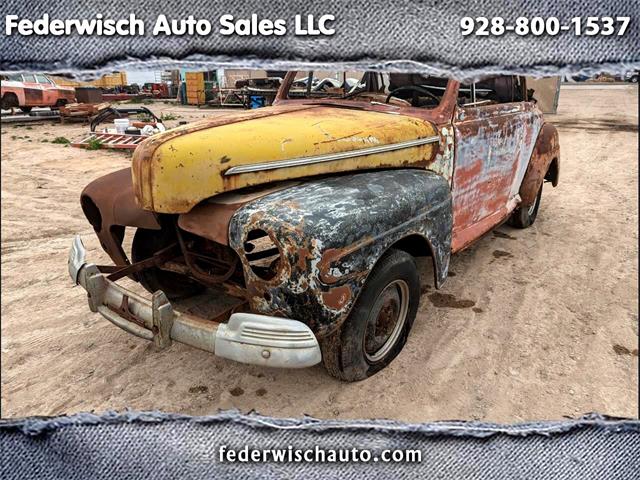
{"x":299,"y":224}
{"x":25,"y":91}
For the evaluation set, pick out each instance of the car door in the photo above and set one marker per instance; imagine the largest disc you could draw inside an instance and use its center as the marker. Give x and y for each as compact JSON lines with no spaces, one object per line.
{"x":494,"y":139}
{"x":49,"y":92}
{"x":33,"y":92}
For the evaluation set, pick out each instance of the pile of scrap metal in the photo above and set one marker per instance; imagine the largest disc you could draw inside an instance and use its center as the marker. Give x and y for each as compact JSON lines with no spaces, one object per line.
{"x":158,"y":90}
{"x":125,"y":133}
{"x":83,"y":112}
{"x":258,"y":92}
{"x":247,"y":93}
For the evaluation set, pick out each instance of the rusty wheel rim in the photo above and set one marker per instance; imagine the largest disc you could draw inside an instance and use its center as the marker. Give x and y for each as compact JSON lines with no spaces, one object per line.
{"x":386,"y":320}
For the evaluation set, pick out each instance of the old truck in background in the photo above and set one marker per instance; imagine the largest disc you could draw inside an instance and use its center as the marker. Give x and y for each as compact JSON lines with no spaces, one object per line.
{"x":28,"y":90}
{"x":301,"y":222}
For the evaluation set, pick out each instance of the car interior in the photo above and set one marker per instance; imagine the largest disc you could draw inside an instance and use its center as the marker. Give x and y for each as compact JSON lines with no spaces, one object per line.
{"x":406,"y":89}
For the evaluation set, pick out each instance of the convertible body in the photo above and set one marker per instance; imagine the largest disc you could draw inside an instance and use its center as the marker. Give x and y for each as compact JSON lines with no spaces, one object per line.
{"x":287,"y":210}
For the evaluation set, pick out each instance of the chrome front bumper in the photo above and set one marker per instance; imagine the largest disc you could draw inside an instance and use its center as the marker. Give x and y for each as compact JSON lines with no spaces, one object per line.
{"x":246,"y":337}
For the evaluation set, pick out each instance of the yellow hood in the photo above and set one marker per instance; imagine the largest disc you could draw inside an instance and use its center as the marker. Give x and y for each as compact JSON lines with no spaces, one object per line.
{"x":175,"y":170}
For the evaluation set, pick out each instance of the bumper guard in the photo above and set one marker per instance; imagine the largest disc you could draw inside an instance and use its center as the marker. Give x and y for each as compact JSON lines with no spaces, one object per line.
{"x":246,"y":337}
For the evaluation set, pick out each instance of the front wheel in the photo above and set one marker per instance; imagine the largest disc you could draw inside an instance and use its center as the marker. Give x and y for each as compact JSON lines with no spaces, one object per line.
{"x":523,"y":217}
{"x":379,"y":324}
{"x":9,"y":100}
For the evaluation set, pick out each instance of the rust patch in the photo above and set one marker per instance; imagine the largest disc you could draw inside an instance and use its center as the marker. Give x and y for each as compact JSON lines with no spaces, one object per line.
{"x":547,"y":148}
{"x":33,"y":96}
{"x":112,"y":197}
{"x":333,"y":255}
{"x":337,"y":297}
{"x":304,"y":254}
{"x":209,"y":220}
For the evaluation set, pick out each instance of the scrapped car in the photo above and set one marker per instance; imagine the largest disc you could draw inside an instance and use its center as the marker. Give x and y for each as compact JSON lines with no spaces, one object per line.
{"x":297,"y":226}
{"x":25,"y":91}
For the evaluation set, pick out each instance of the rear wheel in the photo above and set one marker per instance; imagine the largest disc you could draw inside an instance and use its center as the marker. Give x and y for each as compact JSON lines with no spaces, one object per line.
{"x":523,"y":217}
{"x":174,"y":285}
{"x":379,"y":324}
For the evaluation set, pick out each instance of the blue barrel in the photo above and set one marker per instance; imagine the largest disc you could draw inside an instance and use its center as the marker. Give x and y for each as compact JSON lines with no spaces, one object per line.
{"x":257,"y":101}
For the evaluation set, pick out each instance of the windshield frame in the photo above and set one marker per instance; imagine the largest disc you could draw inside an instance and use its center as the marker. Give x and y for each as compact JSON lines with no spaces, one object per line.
{"x":442,"y":113}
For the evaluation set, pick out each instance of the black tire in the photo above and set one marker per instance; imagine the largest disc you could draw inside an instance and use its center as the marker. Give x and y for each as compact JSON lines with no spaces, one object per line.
{"x":525,"y":216}
{"x":174,"y":285}
{"x":346,"y":353}
{"x":26,"y":109}
{"x":9,"y":101}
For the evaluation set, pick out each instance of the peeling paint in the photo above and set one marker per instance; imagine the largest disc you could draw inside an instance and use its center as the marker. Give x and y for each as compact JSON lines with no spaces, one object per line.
{"x":321,"y":237}
{"x":271,"y":134}
{"x":333,"y":235}
{"x":492,"y":150}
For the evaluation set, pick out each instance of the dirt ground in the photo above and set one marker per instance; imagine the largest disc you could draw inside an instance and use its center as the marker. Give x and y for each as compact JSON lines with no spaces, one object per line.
{"x":532,"y":324}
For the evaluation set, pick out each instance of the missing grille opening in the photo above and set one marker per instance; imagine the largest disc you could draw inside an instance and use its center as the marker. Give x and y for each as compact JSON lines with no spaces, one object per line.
{"x":262,"y":253}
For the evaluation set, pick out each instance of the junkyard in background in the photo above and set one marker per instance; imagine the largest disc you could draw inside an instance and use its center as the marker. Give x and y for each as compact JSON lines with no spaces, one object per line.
{"x":538,"y":323}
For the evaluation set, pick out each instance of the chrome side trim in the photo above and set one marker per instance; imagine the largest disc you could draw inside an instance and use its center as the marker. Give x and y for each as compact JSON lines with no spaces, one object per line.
{"x":330,"y":157}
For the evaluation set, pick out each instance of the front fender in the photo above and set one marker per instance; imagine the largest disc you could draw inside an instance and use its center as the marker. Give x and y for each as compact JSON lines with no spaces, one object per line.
{"x":546,"y":151}
{"x":110,"y":205}
{"x":330,"y":232}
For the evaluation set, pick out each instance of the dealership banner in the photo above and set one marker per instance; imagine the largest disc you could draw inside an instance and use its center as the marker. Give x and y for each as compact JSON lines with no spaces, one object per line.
{"x":459,"y":39}
{"x":232,"y":445}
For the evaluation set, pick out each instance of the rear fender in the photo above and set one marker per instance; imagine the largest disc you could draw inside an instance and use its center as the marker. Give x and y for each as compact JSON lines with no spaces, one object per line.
{"x":544,"y":164}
